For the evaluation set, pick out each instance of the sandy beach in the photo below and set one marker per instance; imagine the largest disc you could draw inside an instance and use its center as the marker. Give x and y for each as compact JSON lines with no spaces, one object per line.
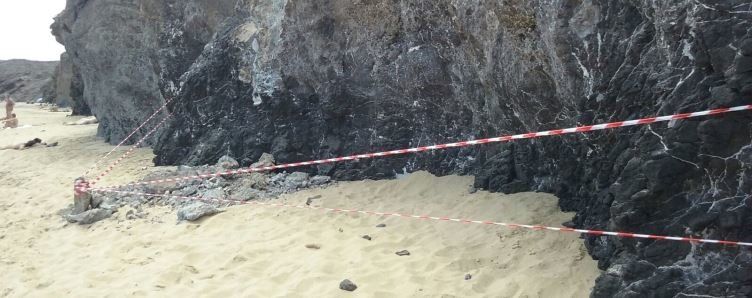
{"x":251,"y":251}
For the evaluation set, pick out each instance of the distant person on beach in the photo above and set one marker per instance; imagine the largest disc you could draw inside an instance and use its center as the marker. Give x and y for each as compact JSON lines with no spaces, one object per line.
{"x":27,"y":145}
{"x":84,"y":121}
{"x":9,"y":104}
{"x":11,"y":122}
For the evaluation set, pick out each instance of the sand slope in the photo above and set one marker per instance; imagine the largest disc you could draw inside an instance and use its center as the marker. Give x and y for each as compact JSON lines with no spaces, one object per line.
{"x":253,"y":251}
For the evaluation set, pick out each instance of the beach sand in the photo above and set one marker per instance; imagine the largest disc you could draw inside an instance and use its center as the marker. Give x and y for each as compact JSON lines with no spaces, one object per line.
{"x":252,"y":251}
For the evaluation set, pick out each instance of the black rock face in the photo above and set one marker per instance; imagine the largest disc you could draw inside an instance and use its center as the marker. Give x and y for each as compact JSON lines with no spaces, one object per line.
{"x":318,"y":79}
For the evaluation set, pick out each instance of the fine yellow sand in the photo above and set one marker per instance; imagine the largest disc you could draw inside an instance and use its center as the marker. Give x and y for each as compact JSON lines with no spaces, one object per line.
{"x":252,"y":251}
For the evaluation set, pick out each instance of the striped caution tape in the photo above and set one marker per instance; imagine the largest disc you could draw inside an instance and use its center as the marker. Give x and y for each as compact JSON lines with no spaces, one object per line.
{"x":94,"y":167}
{"x":579,"y":129}
{"x":449,"y":219}
{"x":130,"y":151}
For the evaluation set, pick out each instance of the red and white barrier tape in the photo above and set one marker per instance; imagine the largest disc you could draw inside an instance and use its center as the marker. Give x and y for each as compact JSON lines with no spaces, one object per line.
{"x":130,"y":151}
{"x":437,"y":218}
{"x":580,"y":129}
{"x":78,"y":186}
{"x":127,"y":138}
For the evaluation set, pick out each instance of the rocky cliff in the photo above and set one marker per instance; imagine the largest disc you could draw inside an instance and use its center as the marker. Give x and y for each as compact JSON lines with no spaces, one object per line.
{"x":24,"y":80}
{"x":66,"y":88}
{"x":312,"y":79}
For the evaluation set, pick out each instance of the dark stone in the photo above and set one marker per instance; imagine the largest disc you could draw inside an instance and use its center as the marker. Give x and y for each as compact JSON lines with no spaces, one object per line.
{"x":367,"y":237}
{"x":90,"y":216}
{"x":347,"y":285}
{"x":606,"y":286}
{"x":320,"y":180}
{"x":381,"y":225}
{"x":468,"y":276}
{"x":637,"y":270}
{"x":403,"y":253}
{"x":195,"y":210}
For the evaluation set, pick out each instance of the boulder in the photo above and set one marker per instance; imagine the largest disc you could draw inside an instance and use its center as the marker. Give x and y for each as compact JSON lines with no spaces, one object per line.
{"x":90,"y":216}
{"x":195,"y":210}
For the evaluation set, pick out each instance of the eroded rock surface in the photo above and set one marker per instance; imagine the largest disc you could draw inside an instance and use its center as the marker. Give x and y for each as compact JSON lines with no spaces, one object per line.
{"x":66,"y":87}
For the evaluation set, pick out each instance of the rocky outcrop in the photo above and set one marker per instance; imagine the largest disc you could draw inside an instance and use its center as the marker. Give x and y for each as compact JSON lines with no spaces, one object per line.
{"x":24,"y":80}
{"x":195,"y":199}
{"x":69,"y":87}
{"x":313,"y":79}
{"x":126,"y":51}
{"x":66,"y":88}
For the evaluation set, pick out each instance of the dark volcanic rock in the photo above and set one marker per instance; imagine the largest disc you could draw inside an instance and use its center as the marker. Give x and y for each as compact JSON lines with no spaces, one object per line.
{"x":403,"y":253}
{"x":347,"y":285}
{"x":317,"y":79}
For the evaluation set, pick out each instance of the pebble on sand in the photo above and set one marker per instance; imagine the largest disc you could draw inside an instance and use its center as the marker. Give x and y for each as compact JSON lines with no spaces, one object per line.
{"x":347,"y":285}
{"x":468,"y":276}
{"x":367,"y":237}
{"x":381,"y":226}
{"x":313,"y":246}
{"x":403,"y":253}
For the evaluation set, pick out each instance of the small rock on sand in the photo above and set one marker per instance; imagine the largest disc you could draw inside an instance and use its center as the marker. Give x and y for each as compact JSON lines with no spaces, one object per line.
{"x":310,"y":200}
{"x":347,"y":285}
{"x":381,"y":226}
{"x":247,"y":194}
{"x":313,"y":246}
{"x":468,"y":276}
{"x":89,"y":217}
{"x":320,"y":180}
{"x":255,"y":180}
{"x":367,"y":237}
{"x":296,"y":180}
{"x":196,"y":210}
{"x":403,"y":253}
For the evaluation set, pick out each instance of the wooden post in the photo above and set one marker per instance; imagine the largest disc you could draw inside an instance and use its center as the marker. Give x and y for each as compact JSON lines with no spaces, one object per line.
{"x":81,"y":198}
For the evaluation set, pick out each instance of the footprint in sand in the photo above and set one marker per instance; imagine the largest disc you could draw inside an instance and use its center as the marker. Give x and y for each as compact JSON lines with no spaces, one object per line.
{"x":191,"y":269}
